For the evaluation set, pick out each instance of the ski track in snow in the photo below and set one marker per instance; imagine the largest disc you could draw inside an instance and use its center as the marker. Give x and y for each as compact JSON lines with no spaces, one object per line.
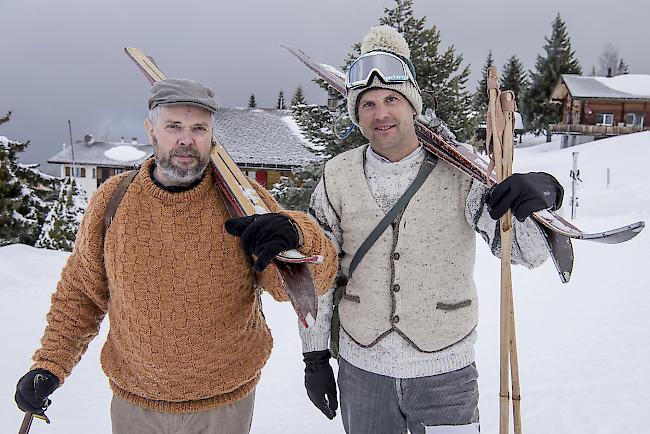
{"x":583,"y":346}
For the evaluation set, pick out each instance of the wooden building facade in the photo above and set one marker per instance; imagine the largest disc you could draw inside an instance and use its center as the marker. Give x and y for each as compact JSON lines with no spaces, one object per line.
{"x":602,"y":106}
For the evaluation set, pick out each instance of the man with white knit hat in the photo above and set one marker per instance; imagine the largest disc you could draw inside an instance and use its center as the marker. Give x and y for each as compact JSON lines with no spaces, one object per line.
{"x":408,"y":306}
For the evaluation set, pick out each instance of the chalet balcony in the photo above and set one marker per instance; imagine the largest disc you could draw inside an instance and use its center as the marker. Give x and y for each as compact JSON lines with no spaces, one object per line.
{"x":595,"y":130}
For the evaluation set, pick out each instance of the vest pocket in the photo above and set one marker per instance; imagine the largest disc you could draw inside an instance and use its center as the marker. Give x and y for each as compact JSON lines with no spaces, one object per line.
{"x":453,"y":306}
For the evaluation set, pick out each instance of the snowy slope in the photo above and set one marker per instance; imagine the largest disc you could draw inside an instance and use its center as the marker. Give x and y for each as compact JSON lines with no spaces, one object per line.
{"x":583,"y":346}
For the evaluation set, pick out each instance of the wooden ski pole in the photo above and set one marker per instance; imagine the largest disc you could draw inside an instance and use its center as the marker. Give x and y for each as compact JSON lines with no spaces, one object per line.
{"x":508,"y":106}
{"x":496,"y":126}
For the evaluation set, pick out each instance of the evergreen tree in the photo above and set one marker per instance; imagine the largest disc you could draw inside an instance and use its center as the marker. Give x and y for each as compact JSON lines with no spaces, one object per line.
{"x":25,"y":194}
{"x":480,"y":101}
{"x":251,"y":101}
{"x":559,"y":59}
{"x":62,"y":222}
{"x":298,"y":97}
{"x":280,"y":104}
{"x":513,"y":77}
{"x":294,"y":193}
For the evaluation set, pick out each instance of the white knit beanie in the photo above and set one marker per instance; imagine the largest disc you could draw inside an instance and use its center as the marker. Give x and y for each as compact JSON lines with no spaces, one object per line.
{"x":385,"y":38}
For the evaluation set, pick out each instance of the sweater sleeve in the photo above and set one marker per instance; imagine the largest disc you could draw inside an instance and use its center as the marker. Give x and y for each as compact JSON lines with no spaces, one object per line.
{"x":528,"y":244}
{"x":314,"y":242}
{"x":79,"y":303}
{"x":316,"y":337}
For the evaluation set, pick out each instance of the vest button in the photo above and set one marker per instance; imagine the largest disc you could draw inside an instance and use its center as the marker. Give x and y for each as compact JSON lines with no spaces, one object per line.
{"x":395,"y":319}
{"x":396,"y":256}
{"x":396,"y":287}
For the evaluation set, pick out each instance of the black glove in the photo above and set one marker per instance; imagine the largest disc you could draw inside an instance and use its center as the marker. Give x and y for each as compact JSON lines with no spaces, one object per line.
{"x":33,"y":389}
{"x":264,"y":235}
{"x":319,"y":382}
{"x":525,"y":193}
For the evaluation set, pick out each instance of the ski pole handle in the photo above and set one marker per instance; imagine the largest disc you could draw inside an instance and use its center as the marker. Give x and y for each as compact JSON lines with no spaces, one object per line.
{"x":29,"y":417}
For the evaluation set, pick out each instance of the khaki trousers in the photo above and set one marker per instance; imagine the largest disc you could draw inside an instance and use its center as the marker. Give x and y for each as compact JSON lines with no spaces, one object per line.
{"x":236,"y":418}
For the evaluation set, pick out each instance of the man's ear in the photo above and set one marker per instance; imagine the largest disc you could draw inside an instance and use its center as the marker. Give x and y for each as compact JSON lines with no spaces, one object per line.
{"x":148,"y":127}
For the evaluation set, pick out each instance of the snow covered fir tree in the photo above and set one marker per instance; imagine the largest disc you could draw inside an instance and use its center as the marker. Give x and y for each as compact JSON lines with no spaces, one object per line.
{"x":36,"y":209}
{"x":62,"y":222}
{"x":559,"y":59}
{"x":26,"y":194}
{"x":298,"y":97}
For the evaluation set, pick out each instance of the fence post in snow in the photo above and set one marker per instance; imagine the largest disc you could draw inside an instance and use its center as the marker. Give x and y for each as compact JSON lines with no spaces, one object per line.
{"x":608,"y":177}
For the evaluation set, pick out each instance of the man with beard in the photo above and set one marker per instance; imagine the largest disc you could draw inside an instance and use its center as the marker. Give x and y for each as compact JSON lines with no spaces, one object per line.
{"x":187,"y":337}
{"x":408,"y":312}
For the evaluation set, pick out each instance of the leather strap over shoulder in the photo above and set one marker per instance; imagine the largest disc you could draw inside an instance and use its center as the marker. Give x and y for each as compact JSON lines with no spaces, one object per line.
{"x":116,"y":198}
{"x":428,"y":165}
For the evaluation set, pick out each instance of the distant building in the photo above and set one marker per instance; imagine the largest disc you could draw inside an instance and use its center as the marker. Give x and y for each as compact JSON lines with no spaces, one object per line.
{"x":92,"y":162}
{"x":266,"y":144}
{"x":596,"y":107}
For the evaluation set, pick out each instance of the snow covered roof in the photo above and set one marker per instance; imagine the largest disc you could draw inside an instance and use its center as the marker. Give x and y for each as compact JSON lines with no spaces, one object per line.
{"x":253,"y":137}
{"x":267,"y":137}
{"x":627,"y":86}
{"x":107,"y":154}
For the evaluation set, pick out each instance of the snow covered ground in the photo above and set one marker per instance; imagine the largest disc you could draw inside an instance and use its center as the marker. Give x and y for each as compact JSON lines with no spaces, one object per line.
{"x":583,"y":346}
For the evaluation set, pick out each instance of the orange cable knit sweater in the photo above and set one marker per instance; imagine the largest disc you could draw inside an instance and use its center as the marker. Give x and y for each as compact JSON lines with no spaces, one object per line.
{"x":186,"y":333}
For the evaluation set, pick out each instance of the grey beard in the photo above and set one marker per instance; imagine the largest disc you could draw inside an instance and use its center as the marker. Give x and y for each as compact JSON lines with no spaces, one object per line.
{"x":177,"y":174}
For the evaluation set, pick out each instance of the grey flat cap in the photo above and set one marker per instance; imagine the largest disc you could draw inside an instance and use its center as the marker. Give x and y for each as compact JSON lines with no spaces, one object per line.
{"x":180,"y":91}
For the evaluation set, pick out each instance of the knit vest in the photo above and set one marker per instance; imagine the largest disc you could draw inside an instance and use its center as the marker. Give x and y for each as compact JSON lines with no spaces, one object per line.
{"x":417,"y":277}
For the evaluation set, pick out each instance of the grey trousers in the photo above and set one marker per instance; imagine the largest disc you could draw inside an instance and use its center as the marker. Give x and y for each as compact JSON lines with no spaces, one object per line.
{"x":440,"y":404}
{"x":236,"y":418}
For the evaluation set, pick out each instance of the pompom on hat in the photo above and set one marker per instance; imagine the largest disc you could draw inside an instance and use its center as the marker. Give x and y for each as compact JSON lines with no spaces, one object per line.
{"x":385,"y":38}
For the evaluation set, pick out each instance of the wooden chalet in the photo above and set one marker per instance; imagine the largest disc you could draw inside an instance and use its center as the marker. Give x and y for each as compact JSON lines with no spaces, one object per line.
{"x":596,"y":107}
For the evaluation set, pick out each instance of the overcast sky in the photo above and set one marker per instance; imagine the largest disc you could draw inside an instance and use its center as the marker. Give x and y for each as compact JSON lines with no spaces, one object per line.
{"x":63,"y":60}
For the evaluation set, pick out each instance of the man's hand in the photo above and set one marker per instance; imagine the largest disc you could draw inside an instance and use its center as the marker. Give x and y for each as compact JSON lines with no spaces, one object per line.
{"x":33,"y":389}
{"x":319,"y":382}
{"x":525,"y":193}
{"x":264,"y":235}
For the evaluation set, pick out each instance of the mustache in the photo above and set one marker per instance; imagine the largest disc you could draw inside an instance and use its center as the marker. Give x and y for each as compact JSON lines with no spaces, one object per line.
{"x":384,"y":122}
{"x":184,"y":152}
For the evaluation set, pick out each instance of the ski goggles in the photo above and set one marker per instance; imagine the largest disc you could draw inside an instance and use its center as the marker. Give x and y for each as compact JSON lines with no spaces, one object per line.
{"x":389,"y":67}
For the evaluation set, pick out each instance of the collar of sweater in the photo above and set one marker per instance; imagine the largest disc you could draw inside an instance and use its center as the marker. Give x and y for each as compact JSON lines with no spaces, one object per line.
{"x":383,"y":166}
{"x":196,"y":192}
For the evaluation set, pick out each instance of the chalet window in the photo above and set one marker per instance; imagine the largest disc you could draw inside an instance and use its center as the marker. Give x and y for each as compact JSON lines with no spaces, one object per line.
{"x":117,"y":170}
{"x":634,"y":119}
{"x":67,"y":171}
{"x":78,"y":172}
{"x":94,"y":173}
{"x":605,"y":119}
